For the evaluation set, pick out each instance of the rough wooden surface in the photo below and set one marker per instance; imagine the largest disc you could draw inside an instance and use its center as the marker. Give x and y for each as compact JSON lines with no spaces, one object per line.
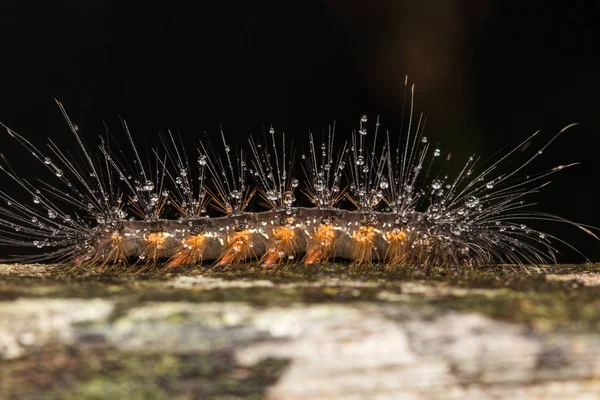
{"x":298,"y":332}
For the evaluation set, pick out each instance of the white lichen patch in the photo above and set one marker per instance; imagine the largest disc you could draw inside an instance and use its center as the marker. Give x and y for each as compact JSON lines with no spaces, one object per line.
{"x":588,"y":279}
{"x":408,"y":291}
{"x":27,"y":323}
{"x":208,"y":283}
{"x":24,"y":269}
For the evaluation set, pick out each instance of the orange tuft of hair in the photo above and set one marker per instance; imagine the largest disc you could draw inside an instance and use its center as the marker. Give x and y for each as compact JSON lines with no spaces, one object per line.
{"x":396,"y":239}
{"x":281,"y":248}
{"x":320,"y":246}
{"x":190,"y":252}
{"x":364,"y":238}
{"x":238,"y":249}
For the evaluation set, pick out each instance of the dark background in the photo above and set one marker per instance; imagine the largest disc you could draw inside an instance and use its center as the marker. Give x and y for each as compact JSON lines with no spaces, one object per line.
{"x":487,"y":74}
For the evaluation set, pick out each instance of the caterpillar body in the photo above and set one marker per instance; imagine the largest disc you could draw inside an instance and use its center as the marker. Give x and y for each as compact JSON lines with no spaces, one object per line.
{"x":230,"y":208}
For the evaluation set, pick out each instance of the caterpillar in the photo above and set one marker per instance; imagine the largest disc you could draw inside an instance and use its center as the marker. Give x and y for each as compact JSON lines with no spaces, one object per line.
{"x":373,"y":199}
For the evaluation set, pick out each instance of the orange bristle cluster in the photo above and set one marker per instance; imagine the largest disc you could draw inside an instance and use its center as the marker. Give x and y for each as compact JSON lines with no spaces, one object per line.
{"x":283,"y":246}
{"x":239,"y":248}
{"x":190,"y":252}
{"x":397,"y":246}
{"x":321,"y":245}
{"x":154,"y":245}
{"x":364,"y":238}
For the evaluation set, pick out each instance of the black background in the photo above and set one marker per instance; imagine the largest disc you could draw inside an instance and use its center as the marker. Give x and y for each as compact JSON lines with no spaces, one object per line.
{"x":487,"y":74}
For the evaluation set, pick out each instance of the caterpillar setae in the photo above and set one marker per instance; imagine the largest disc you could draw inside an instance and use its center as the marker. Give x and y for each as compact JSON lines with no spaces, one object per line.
{"x":165,"y":207}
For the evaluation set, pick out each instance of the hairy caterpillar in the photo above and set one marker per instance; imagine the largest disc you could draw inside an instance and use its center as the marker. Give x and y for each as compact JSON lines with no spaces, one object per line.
{"x":232,"y":207}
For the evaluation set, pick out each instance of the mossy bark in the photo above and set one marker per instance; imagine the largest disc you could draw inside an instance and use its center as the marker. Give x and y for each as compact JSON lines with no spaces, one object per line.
{"x":326,"y":331}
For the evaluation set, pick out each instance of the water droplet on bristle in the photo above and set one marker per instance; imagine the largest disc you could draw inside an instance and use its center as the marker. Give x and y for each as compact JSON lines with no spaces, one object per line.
{"x":471,"y":201}
{"x":148,"y":186}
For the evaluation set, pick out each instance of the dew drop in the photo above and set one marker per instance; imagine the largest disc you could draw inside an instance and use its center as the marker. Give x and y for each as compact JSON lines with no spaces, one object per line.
{"x":272,"y":195}
{"x":436,"y":184}
{"x":148,"y":186}
{"x":471,"y":201}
